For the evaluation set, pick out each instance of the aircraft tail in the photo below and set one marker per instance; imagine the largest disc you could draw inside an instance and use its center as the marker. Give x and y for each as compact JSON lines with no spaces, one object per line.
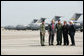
{"x":76,"y":16}
{"x":56,"y":18}
{"x":39,"y":21}
{"x":34,"y":21}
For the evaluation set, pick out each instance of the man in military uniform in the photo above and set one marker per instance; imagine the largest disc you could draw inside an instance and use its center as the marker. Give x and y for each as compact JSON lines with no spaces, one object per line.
{"x":58,"y":27}
{"x":51,"y":31}
{"x":42,"y":33}
{"x":65,"y":33}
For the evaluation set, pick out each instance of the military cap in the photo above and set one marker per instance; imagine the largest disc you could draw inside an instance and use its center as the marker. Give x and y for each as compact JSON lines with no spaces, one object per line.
{"x":43,"y":20}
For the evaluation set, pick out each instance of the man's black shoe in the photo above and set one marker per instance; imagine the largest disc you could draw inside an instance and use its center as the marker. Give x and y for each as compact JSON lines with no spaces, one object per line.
{"x":72,"y":45}
{"x":57,"y":44}
{"x":64,"y":45}
{"x":42,"y":45}
{"x":51,"y":44}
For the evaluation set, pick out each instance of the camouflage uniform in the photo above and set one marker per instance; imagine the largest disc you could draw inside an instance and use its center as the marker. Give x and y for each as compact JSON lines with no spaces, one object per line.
{"x":42,"y":34}
{"x":59,"y":33}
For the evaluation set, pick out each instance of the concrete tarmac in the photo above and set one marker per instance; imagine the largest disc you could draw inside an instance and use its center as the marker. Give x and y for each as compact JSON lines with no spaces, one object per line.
{"x":27,"y":42}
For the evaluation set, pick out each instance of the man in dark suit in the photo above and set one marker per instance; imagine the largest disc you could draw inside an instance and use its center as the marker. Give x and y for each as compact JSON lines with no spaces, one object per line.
{"x":72,"y":32}
{"x":51,"y":31}
{"x":65,"y":33}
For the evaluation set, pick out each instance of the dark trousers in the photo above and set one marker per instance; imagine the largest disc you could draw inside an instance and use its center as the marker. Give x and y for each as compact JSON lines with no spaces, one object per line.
{"x":51,"y":39}
{"x":72,"y":38}
{"x":59,"y":38}
{"x":65,"y":37}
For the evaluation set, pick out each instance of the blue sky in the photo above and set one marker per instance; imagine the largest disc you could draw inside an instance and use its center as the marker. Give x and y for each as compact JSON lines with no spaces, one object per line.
{"x":23,"y":12}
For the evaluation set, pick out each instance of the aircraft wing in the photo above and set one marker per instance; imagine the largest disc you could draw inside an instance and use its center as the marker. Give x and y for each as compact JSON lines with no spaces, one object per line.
{"x":76,"y":16}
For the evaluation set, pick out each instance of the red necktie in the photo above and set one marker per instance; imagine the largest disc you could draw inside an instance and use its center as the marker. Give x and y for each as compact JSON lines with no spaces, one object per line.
{"x":53,"y":26}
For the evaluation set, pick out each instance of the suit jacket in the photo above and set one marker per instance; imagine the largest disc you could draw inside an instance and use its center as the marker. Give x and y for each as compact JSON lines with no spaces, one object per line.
{"x":65,"y":29}
{"x":50,"y":30}
{"x":71,"y":29}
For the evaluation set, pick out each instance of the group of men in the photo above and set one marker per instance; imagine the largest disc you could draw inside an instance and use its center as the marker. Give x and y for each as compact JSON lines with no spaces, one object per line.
{"x":60,"y":30}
